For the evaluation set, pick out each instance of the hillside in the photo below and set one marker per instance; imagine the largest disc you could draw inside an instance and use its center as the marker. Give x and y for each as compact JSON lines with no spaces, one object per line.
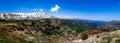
{"x":55,"y":31}
{"x":35,"y":31}
{"x":99,"y":37}
{"x":110,"y":25}
{"x":80,"y":25}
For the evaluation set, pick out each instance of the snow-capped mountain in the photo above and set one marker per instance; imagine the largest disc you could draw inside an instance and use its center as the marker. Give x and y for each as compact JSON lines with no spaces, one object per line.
{"x":19,"y":16}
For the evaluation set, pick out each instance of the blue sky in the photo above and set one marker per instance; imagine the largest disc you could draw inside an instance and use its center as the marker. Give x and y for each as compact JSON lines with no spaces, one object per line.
{"x":84,"y":9}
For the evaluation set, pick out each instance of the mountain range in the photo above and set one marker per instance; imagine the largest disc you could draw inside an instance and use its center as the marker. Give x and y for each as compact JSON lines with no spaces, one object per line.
{"x":20,"y":16}
{"x":40,"y":27}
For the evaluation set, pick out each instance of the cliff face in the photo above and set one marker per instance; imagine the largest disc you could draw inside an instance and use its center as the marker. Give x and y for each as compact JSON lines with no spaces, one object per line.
{"x":36,"y":31}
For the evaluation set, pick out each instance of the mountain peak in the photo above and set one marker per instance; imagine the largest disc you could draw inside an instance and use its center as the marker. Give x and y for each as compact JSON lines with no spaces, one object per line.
{"x":18,"y":16}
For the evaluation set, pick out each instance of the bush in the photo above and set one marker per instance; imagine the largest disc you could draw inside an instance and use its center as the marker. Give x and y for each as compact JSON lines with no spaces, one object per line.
{"x":117,"y":41}
{"x":107,"y":39}
{"x":84,"y":36}
{"x":4,"y":40}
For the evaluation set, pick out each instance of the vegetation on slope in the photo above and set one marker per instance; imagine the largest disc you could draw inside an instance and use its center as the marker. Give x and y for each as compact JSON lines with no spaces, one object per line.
{"x":36,"y":31}
{"x":48,"y":30}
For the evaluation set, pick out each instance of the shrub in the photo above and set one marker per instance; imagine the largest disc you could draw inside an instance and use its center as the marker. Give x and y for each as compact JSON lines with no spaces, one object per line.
{"x":117,"y":41}
{"x":107,"y":39}
{"x":84,"y":36}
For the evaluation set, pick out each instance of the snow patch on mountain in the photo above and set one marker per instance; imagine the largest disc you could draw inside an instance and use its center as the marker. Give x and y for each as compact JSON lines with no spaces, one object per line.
{"x":34,"y":15}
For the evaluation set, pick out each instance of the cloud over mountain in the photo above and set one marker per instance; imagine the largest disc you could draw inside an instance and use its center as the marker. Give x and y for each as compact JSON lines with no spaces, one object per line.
{"x":55,"y":8}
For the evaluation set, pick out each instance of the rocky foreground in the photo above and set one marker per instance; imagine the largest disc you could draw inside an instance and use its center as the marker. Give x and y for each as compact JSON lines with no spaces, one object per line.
{"x":104,"y":37}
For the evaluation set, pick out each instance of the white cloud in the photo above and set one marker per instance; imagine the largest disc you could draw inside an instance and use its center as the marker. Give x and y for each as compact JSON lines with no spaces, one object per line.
{"x":41,"y":10}
{"x":34,"y":9}
{"x":55,"y":9}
